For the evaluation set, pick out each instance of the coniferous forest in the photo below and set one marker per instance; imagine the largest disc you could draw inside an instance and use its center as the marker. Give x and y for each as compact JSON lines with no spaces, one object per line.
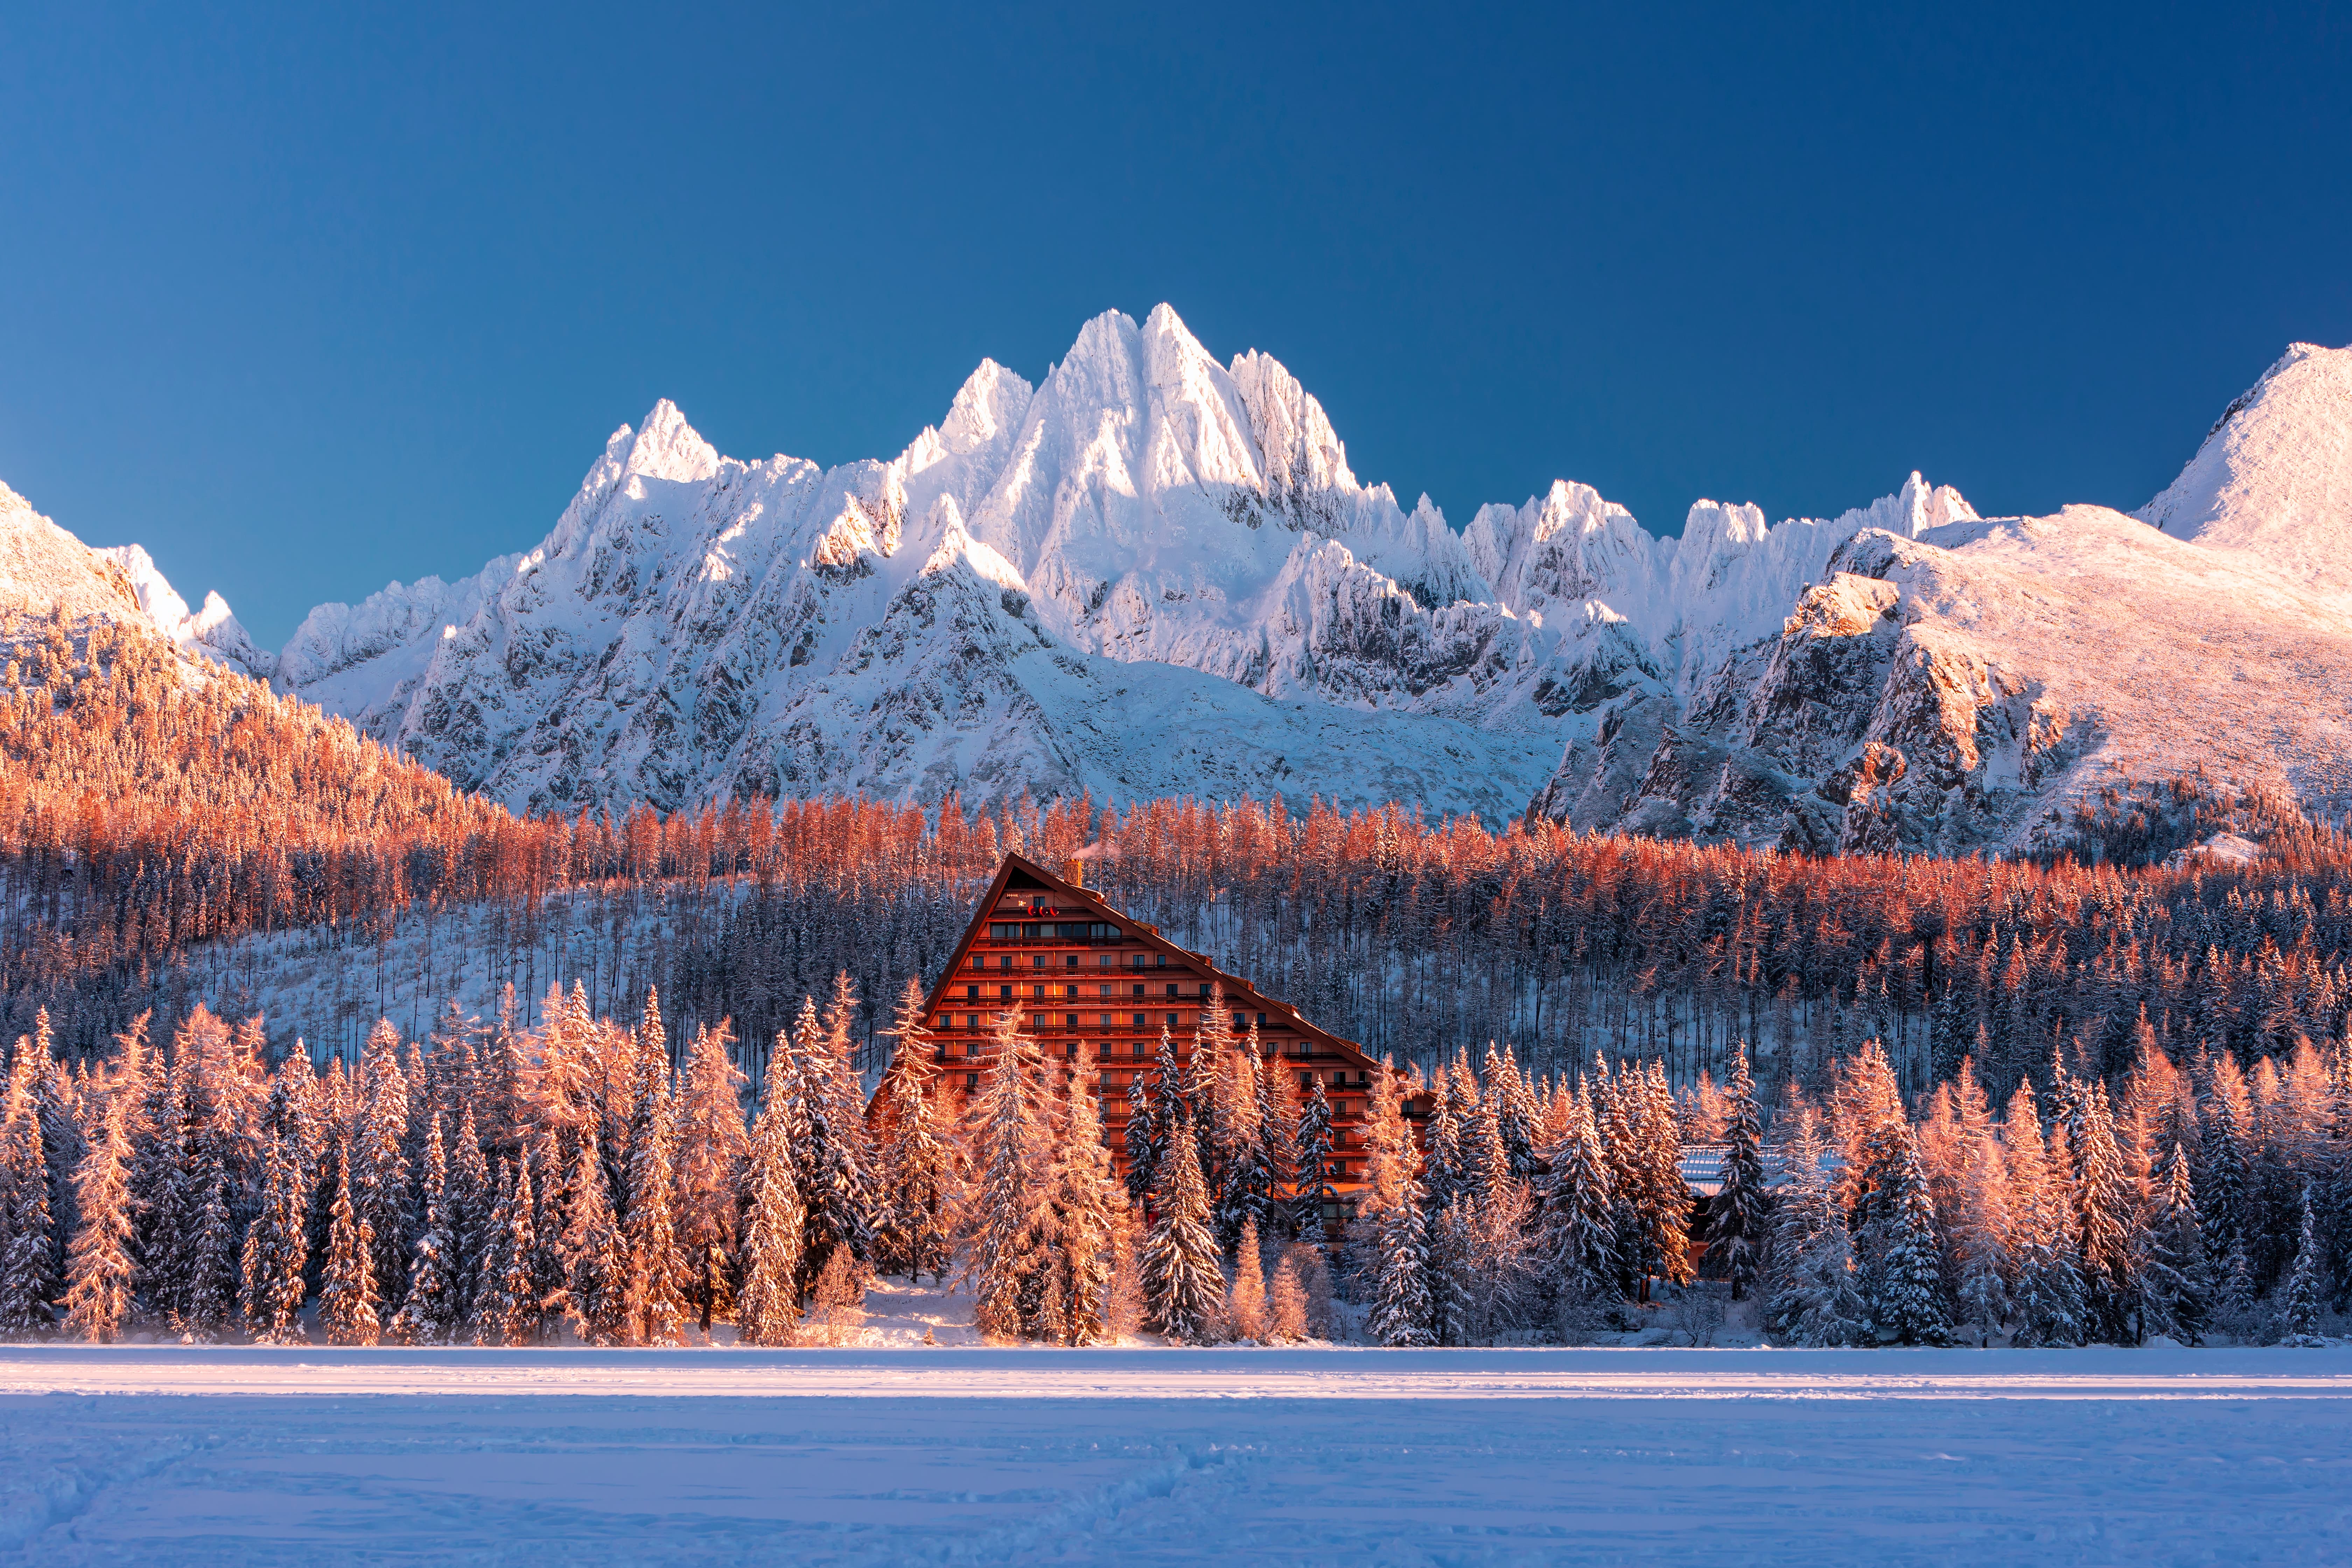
{"x":2100,"y":1095}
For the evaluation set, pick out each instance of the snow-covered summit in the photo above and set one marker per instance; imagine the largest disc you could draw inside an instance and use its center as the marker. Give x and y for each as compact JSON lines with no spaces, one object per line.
{"x":2274,"y":475}
{"x":1156,"y":573}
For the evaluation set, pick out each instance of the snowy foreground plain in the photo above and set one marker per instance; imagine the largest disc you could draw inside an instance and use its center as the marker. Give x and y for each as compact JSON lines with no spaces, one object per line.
{"x":138,"y":1454}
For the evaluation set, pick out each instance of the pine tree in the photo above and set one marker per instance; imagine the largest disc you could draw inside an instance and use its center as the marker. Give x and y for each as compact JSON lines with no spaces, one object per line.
{"x":2299,"y":1302}
{"x":712,"y":1151}
{"x":1009,"y":1249}
{"x":2046,"y":1293}
{"x":2108,"y":1220}
{"x":379,"y":1167}
{"x":1816,"y":1298}
{"x":2175,"y":1285}
{"x":209,"y":1303}
{"x":656,"y":1297}
{"x":1906,"y":1299}
{"x":1311,"y":1166}
{"x":349,"y":1308}
{"x":1981,"y":1240}
{"x":99,"y":1268}
{"x":918,"y":1158}
{"x":831,"y":1176}
{"x":1736,"y":1228}
{"x":1143,"y":1141}
{"x":1089,"y":1208}
{"x":502,"y":1292}
{"x":1246,"y":1195}
{"x":471,"y":1199}
{"x":28,"y":1273}
{"x":1577,"y":1213}
{"x":776,"y":1225}
{"x":435,"y":1307}
{"x":1182,"y":1287}
{"x":1245,"y":1308}
{"x":595,"y":1261}
{"x":275,"y":1248}
{"x":1286,"y":1304}
{"x":1392,"y":1210}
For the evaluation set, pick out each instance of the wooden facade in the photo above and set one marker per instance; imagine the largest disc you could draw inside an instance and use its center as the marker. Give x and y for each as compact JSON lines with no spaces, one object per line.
{"x":1079,"y":970}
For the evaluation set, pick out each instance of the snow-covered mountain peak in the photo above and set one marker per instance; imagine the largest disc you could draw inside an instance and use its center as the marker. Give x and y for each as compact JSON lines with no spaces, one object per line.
{"x":2274,"y":475}
{"x":210,"y":631}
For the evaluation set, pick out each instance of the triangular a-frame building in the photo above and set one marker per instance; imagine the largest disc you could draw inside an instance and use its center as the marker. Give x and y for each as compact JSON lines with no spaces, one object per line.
{"x":1078,"y":969}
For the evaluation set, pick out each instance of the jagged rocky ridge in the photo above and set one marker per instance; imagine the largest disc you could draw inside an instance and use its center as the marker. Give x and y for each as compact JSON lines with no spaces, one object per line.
{"x":1153,"y":574}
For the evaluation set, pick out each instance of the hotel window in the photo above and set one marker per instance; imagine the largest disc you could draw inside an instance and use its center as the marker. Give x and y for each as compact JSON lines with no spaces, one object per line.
{"x":1171,"y":988}
{"x":972,"y":1080}
{"x":1143,"y":1020}
{"x":1171,"y":1020}
{"x":1070,"y":1022}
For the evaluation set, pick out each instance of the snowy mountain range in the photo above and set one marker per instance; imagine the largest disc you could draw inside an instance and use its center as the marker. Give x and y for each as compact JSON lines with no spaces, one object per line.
{"x":1153,"y":574}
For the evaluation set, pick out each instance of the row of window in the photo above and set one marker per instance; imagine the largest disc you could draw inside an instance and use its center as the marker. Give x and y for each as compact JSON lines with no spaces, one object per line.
{"x":1054,"y":931}
{"x":1069,"y":960}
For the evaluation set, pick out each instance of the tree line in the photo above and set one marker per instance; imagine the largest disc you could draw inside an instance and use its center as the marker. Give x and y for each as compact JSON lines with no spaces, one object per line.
{"x":589,"y":1178}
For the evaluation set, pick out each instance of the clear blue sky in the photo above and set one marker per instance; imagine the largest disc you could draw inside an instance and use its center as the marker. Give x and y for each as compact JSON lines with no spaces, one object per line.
{"x":306,"y":298}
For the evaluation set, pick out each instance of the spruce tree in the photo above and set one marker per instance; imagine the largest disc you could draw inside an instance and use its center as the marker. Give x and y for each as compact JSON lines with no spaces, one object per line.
{"x":2108,"y":1222}
{"x":712,"y":1151}
{"x":471,"y":1199}
{"x":1010,"y":1245}
{"x":1396,"y":1226}
{"x":275,"y":1248}
{"x":1981,"y":1242}
{"x":1906,"y":1299}
{"x":1182,"y":1287}
{"x":28,"y":1273}
{"x":918,"y":1157}
{"x":379,"y":1166}
{"x":595,"y":1262}
{"x":208,"y":1304}
{"x":1090,"y":1209}
{"x":775,"y":1224}
{"x":2176,"y":1282}
{"x":349,"y":1308}
{"x":1816,"y":1297}
{"x":656,"y":1304}
{"x":1311,"y":1191}
{"x":2046,"y":1293}
{"x":1245,"y":1308}
{"x":2299,"y":1300}
{"x":1736,"y":1229}
{"x":1577,"y":1214}
{"x":99,"y":1270}
{"x":435,"y":1305}
{"x":1143,"y":1141}
{"x":1247,"y":1197}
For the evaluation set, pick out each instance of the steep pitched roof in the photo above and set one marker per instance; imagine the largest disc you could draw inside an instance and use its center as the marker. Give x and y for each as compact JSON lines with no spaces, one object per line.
{"x":1239,"y":993}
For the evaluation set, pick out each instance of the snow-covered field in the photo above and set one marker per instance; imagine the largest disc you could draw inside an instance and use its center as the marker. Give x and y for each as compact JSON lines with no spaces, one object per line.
{"x":179,"y":1455}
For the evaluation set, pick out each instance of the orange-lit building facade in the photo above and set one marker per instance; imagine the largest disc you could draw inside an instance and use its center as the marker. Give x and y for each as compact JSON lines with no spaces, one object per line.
{"x":1079,"y":970}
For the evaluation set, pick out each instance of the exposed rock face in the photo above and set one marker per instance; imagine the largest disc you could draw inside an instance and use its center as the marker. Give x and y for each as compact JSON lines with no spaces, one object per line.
{"x":1153,"y":574}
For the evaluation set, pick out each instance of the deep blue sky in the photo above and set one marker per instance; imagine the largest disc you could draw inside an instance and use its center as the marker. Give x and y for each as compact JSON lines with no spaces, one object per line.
{"x":311,"y":297}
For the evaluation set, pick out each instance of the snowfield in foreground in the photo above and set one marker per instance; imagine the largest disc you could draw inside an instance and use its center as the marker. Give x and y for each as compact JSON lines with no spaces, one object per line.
{"x":311,"y":1456}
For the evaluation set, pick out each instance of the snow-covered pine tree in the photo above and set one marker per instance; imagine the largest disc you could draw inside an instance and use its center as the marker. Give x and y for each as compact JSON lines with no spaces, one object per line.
{"x":596,"y":1261}
{"x":775,"y":1226}
{"x":1906,"y":1299}
{"x":349,"y":1310}
{"x":2176,"y":1287}
{"x":2108,"y":1219}
{"x":2222,"y":1179}
{"x":918,"y":1156}
{"x":502,"y":1283}
{"x":2046,"y":1288}
{"x":1011,"y":1242}
{"x":1143,"y":1141}
{"x":1662,"y":1200}
{"x":379,"y":1166}
{"x":275,"y":1245}
{"x":1247,"y":1194}
{"x":713,"y":1147}
{"x":100,"y":1271}
{"x":28,"y":1275}
{"x":1277,"y":1134}
{"x":827,"y":1165}
{"x":1310,"y":1179}
{"x":1981,"y":1239}
{"x":1737,"y":1227}
{"x":1490,"y":1169}
{"x":435,"y":1305}
{"x":845,"y":1103}
{"x":208,"y":1305}
{"x":1578,"y":1213}
{"x":1443,"y":1166}
{"x":1816,"y":1298}
{"x":1286,"y":1303}
{"x":1169,"y":1105}
{"x":1209,"y":1089}
{"x":1392,"y":1216}
{"x":1090,"y":1209}
{"x":471,"y":1199}
{"x":2299,"y":1297}
{"x":655,"y":1295}
{"x":1245,"y":1308}
{"x":1182,"y":1287}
